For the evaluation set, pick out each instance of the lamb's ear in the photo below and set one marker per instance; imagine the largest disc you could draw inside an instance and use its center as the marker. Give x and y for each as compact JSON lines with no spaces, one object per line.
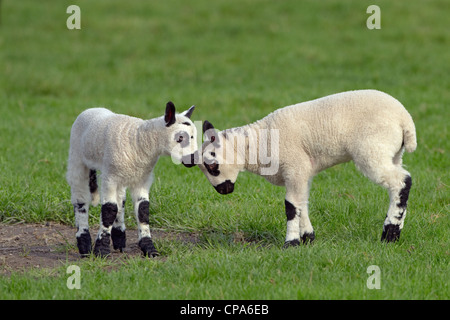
{"x":169,"y":117}
{"x":188,"y":113}
{"x":209,"y":130}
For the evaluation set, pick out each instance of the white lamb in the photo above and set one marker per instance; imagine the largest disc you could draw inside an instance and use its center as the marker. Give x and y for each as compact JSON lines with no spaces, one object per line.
{"x":125,"y":149}
{"x":367,"y":126}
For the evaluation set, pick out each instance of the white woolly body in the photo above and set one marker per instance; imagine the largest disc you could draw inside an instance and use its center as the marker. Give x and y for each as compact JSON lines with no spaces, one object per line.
{"x":122,"y":147}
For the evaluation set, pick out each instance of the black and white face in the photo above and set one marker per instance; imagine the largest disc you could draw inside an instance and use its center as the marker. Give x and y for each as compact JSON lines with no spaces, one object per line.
{"x":182,"y":135}
{"x":220,"y":173}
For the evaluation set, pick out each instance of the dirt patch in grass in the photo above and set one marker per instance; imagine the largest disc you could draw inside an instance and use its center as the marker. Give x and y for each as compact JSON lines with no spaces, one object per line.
{"x":27,"y":246}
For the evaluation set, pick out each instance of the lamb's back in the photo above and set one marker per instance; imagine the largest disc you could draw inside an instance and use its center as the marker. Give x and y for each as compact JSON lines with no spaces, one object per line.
{"x":99,"y":131}
{"x":331,"y":125}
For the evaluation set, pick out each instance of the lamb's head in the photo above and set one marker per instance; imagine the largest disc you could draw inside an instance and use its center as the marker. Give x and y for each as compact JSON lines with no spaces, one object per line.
{"x":219,"y":160}
{"x":182,"y":135}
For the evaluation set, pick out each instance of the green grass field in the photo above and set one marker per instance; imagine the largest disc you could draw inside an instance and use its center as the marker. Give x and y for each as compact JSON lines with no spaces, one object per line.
{"x":236,"y":61}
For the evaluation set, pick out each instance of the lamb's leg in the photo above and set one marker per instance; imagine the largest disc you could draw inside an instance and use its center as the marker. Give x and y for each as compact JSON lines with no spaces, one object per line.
{"x":118,"y":230}
{"x":78,"y":179}
{"x":298,"y":224}
{"x":395,"y":217}
{"x":93,"y":187}
{"x":84,"y":242}
{"x":142,"y":211}
{"x":306,"y":229}
{"x":108,"y":215}
{"x":389,"y":174}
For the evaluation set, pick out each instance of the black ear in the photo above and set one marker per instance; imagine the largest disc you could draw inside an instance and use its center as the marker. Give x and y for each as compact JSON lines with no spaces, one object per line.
{"x":188,"y":113}
{"x":169,"y":117}
{"x":207,"y":125}
{"x":209,"y":130}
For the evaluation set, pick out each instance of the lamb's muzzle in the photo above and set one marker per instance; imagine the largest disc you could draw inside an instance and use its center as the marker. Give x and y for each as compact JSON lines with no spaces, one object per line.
{"x":225,"y":187}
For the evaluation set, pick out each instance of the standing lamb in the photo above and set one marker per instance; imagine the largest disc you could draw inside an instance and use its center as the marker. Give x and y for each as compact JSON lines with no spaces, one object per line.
{"x":367,"y":126}
{"x":125,"y":149}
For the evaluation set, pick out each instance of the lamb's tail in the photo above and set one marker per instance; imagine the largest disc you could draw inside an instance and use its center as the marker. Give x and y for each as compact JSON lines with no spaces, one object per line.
{"x":409,"y":135}
{"x":93,"y":187}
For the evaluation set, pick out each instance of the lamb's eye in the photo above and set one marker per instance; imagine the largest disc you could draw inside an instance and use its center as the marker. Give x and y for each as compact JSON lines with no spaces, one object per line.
{"x":182,"y":138}
{"x":213,"y":154}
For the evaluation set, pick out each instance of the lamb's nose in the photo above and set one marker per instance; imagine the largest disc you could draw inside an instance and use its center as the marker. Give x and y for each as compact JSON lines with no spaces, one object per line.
{"x":225,"y":187}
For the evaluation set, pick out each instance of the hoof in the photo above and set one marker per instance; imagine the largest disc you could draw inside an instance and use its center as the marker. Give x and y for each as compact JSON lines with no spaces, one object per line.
{"x":118,"y":239}
{"x":308,"y":237}
{"x":101,"y":248}
{"x":391,"y":233}
{"x":147,"y":247}
{"x":84,"y":244}
{"x":291,"y":243}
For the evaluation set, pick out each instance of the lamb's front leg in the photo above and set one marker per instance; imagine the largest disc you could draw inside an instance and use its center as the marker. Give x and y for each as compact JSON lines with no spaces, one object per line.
{"x":108,"y":216}
{"x":142,"y":211}
{"x":298,"y":224}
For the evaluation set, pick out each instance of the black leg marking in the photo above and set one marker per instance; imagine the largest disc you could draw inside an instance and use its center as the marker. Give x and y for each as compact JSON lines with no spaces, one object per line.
{"x":291,"y":243}
{"x":118,"y":239}
{"x":308,"y":237}
{"x":391,"y":233}
{"x":404,"y":193}
{"x":79,"y":207}
{"x":401,"y":213}
{"x":146,"y":243}
{"x":147,"y":247}
{"x":84,"y":243}
{"x":290,"y":210}
{"x":101,"y":248}
{"x":143,"y":212}
{"x":109,"y":213}
{"x":93,"y":181}
{"x":118,"y":236}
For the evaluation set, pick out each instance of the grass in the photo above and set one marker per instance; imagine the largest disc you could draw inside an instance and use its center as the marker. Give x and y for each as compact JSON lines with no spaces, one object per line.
{"x":221,"y":270}
{"x":237,"y":61}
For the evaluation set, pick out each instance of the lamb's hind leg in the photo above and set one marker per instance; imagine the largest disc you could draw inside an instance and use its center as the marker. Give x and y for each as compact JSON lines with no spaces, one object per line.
{"x":78,"y":179}
{"x":395,"y":217}
{"x":118,"y":235}
{"x":398,"y":182}
{"x":93,"y":188}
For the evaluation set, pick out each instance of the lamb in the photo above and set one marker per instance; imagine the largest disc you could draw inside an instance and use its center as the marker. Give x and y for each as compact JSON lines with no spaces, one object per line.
{"x":367,"y":126}
{"x":125,"y":149}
